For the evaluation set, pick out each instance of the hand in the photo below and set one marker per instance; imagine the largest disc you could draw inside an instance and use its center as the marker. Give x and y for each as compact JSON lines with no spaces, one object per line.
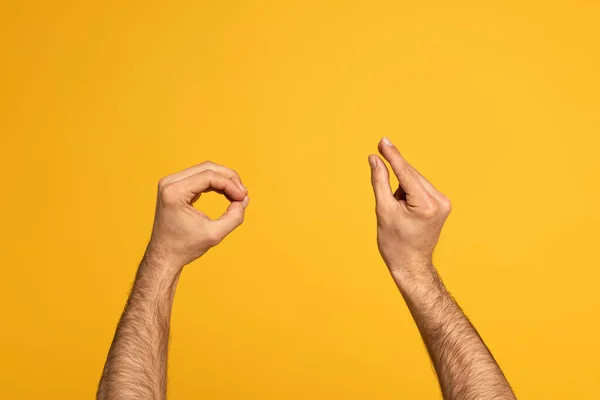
{"x":181,"y":233}
{"x":410,"y":220}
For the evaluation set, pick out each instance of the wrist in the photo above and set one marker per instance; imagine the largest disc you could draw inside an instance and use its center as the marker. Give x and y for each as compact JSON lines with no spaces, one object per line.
{"x":160,"y":254}
{"x":415,"y":275}
{"x":407,"y":265}
{"x":159,"y":266}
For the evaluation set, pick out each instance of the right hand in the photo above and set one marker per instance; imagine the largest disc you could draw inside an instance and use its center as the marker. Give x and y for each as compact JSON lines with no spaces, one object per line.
{"x":410,"y":220}
{"x":181,"y":233}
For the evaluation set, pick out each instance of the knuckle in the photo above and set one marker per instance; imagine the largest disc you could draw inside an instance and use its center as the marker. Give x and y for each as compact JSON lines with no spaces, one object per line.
{"x":162,"y":182}
{"x":240,"y":218}
{"x":208,"y":163}
{"x":209,"y":173}
{"x":431,"y":209}
{"x":446,"y":204}
{"x":380,"y":211}
{"x":213,"y":238}
{"x":375,"y":179}
{"x":169,"y":194}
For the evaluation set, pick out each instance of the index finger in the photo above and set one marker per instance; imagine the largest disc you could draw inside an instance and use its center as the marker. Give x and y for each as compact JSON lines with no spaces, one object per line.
{"x":207,"y":180}
{"x":407,"y":177}
{"x":204,"y":166}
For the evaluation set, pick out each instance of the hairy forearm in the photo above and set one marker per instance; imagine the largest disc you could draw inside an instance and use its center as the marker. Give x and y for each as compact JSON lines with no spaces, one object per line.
{"x":136,"y":366}
{"x":465,"y":367}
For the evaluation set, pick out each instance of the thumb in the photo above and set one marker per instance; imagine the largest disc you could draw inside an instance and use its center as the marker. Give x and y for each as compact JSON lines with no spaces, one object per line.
{"x":380,"y":179}
{"x":231,"y":219}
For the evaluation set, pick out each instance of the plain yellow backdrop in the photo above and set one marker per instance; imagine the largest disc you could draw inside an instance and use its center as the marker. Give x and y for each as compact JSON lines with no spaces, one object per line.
{"x":497,"y":103}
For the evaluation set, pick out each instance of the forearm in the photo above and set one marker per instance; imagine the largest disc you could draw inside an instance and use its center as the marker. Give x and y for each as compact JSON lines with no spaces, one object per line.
{"x":136,"y":366}
{"x":465,"y":367}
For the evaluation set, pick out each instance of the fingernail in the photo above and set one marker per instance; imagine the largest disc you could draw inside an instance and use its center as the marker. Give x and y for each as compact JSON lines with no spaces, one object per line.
{"x":387,"y":141}
{"x":241,"y":185}
{"x":373,"y":161}
{"x":246,"y":201}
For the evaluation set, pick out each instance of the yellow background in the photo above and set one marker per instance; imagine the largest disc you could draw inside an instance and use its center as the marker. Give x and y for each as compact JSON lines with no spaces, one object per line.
{"x":496,"y":102}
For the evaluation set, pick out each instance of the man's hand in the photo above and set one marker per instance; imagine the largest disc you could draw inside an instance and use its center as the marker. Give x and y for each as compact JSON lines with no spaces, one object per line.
{"x":136,"y":366}
{"x":410,"y":220}
{"x":181,"y":233}
{"x":409,"y":223}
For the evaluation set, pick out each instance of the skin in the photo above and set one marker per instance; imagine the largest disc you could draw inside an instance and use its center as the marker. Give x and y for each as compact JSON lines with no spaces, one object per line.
{"x":409,"y":223}
{"x":136,"y":366}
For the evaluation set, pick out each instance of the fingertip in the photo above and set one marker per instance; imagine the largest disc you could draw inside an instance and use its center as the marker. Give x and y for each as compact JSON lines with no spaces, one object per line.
{"x":380,"y":166}
{"x":246,"y":201}
{"x":234,"y":191}
{"x":373,"y":161}
{"x":384,"y":143}
{"x":241,"y":186}
{"x":388,"y":150}
{"x":381,"y":148}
